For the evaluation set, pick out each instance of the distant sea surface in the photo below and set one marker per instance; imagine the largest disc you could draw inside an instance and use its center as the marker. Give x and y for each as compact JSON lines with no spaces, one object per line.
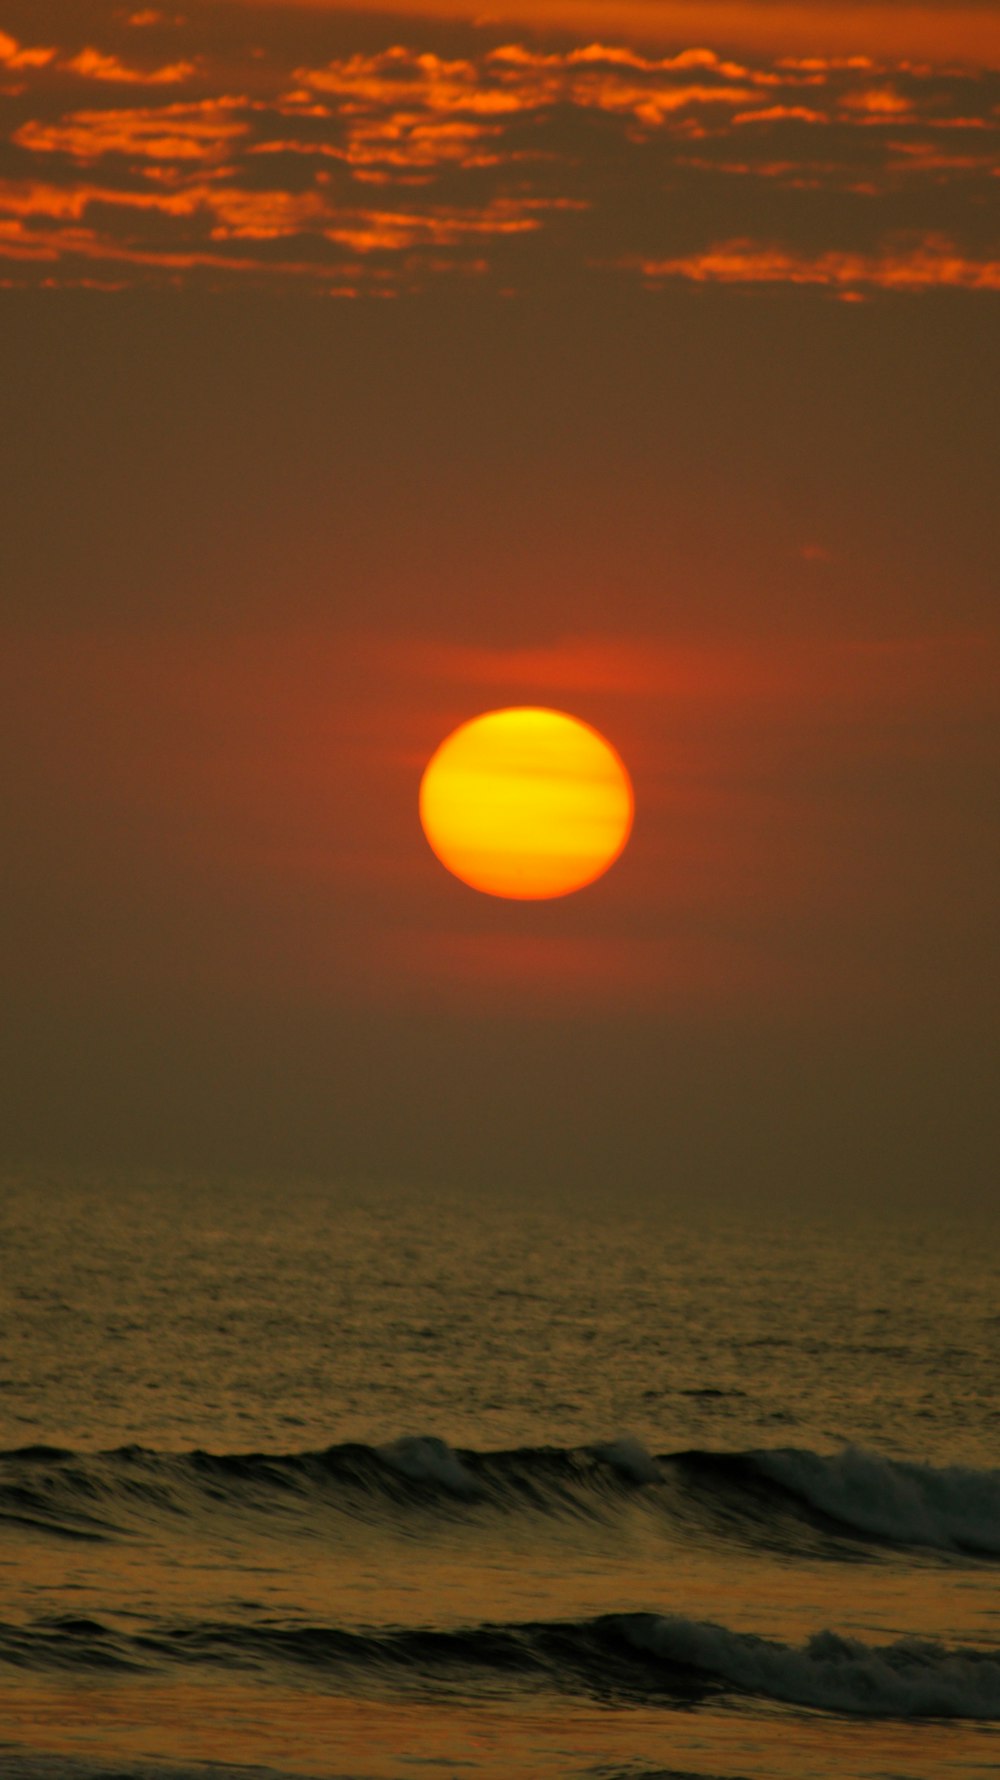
{"x":345,"y":1482}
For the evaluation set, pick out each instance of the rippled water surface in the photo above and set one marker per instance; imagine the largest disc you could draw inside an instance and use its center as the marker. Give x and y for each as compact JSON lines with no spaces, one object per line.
{"x":343,"y":1482}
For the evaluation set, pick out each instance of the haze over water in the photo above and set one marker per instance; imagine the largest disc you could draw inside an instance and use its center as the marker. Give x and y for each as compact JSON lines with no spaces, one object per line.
{"x":338,"y":1481}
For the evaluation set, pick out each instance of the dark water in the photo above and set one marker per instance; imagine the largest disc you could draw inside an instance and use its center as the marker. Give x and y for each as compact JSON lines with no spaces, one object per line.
{"x":330,"y":1482}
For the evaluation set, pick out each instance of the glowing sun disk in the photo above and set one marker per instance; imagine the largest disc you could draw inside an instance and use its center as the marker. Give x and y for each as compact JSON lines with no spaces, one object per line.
{"x":526,"y":803}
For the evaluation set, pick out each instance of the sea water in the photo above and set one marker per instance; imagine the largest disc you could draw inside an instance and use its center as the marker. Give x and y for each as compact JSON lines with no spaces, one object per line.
{"x":325,"y":1480}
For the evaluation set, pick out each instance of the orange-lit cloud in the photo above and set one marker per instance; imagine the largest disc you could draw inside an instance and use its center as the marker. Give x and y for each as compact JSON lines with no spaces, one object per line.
{"x":15,"y":55}
{"x":489,"y":158}
{"x":401,"y":77}
{"x":934,"y":264}
{"x":513,"y":80}
{"x":91,"y":64}
{"x":199,"y":132}
{"x":781,"y":114}
{"x":878,"y":104}
{"x":386,"y":231}
{"x":44,"y":223}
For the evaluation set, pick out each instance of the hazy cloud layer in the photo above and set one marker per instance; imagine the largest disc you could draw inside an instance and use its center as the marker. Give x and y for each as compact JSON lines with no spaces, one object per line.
{"x":352,"y":156}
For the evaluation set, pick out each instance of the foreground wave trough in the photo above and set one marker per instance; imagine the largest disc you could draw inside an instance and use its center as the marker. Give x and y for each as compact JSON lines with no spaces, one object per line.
{"x":614,"y":1658}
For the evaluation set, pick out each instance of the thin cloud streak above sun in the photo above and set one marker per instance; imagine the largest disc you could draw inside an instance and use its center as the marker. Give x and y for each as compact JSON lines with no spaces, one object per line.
{"x":485,"y":159}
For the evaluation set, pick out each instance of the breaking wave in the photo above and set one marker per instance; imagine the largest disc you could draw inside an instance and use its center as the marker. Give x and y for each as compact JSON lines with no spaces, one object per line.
{"x":892,"y":1501}
{"x":772,"y":1498}
{"x":616,"y":1658}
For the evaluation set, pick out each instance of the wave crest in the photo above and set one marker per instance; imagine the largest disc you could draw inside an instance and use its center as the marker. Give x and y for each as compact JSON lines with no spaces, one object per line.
{"x":780,"y":1499}
{"x":909,"y":1679}
{"x":949,"y":1508}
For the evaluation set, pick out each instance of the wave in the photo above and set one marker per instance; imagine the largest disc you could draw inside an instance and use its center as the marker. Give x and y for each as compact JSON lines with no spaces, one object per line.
{"x":616,"y":1658}
{"x":780,"y":1498}
{"x":896,"y":1502}
{"x":951,"y":1507}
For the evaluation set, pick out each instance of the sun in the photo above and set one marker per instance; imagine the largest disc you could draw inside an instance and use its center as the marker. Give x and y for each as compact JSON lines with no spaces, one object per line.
{"x":527,"y":803}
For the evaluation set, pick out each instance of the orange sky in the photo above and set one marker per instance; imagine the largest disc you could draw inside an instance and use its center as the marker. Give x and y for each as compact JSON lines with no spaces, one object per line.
{"x":279,"y":772}
{"x":364,"y":374}
{"x":943,"y":31}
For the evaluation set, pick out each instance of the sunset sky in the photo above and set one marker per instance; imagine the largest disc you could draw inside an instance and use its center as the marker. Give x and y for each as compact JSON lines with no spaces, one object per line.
{"x":364,"y":371}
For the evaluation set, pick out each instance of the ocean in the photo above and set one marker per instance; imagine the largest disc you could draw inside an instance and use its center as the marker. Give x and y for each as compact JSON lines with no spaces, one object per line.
{"x":352,"y":1481}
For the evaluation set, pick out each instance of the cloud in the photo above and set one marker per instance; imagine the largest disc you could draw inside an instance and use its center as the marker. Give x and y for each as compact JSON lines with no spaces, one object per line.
{"x":933,"y":264}
{"x":878,"y":104}
{"x":15,"y":55}
{"x":779,"y":676}
{"x":90,"y":223}
{"x":386,"y":231}
{"x":512,"y":80}
{"x":781,"y":114}
{"x":929,"y":157}
{"x":204,"y":131}
{"x":402,"y":78}
{"x":91,"y":64}
{"x":501,"y":159}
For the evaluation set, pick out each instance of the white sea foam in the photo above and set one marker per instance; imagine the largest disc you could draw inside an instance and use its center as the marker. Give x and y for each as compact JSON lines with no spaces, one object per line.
{"x":909,"y":1679}
{"x":948,"y":1508}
